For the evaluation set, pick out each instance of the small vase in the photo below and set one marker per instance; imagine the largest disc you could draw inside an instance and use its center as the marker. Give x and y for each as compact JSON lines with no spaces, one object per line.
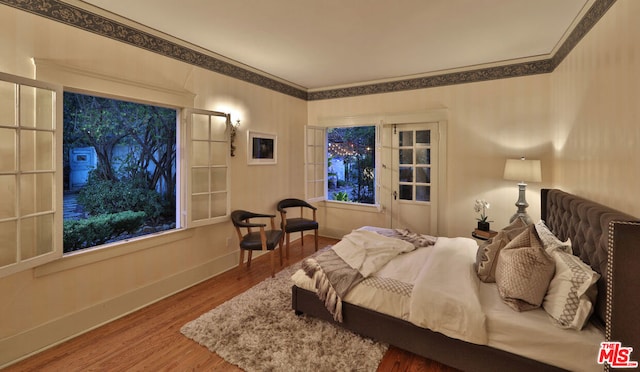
{"x":483,"y":225}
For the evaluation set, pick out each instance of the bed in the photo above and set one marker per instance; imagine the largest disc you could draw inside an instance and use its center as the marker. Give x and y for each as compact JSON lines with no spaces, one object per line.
{"x":604,"y":239}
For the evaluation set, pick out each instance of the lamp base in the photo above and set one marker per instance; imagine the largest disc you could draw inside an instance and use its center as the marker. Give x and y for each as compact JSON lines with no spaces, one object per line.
{"x":522,"y":205}
{"x":524,"y":216}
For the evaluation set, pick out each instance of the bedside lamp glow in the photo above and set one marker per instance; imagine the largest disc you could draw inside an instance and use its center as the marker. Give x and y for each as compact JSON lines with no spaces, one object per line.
{"x":523,"y":171}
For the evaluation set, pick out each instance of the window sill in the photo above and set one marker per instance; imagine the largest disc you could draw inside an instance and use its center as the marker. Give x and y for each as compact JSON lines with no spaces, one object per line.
{"x":112,"y":250}
{"x":371,"y":208}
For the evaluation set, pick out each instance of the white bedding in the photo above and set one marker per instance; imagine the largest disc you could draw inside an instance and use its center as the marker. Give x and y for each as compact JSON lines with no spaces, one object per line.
{"x":367,"y":251}
{"x":446,"y":295}
{"x":530,"y":334}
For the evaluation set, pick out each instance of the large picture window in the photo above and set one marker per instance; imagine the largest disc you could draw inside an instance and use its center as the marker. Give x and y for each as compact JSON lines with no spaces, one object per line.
{"x":119,"y":170}
{"x":115,"y":176}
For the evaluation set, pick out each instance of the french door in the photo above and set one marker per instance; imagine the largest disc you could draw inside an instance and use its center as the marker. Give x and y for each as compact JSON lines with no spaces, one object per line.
{"x":409,"y":176}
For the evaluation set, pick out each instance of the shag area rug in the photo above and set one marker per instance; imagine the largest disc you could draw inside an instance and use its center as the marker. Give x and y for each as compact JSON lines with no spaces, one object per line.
{"x":258,"y":331}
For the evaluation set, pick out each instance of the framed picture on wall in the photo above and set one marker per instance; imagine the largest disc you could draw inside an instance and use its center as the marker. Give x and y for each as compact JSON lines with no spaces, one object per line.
{"x":262,"y":148}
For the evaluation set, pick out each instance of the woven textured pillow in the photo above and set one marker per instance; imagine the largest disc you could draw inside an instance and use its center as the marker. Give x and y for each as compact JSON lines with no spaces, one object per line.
{"x":488,"y":252}
{"x":524,"y":271}
{"x":572,"y":291}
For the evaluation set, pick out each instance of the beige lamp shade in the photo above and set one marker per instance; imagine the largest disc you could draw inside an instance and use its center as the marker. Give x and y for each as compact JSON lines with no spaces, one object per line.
{"x":522,"y":170}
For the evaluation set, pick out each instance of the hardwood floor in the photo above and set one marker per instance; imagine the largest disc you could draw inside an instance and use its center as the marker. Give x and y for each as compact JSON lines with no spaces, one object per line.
{"x":150,"y":338}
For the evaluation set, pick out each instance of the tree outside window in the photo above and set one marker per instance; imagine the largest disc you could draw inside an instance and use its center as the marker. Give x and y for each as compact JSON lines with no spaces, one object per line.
{"x":119,"y":170}
{"x":351,"y":164}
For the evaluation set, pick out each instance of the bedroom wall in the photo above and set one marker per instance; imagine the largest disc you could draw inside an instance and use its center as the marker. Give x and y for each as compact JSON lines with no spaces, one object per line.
{"x":596,"y":115}
{"x":58,"y":300}
{"x":487,"y":122}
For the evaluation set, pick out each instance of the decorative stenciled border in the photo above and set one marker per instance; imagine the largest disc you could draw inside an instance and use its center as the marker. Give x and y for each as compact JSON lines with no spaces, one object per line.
{"x":85,"y":20}
{"x":501,"y":72}
{"x":88,"y":21}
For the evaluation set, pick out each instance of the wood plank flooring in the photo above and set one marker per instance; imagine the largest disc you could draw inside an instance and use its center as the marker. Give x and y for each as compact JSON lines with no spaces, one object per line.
{"x":150,"y":339}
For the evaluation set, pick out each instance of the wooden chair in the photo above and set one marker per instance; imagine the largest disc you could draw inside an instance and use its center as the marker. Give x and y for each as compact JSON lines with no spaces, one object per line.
{"x":297,"y":224}
{"x":262,"y":239}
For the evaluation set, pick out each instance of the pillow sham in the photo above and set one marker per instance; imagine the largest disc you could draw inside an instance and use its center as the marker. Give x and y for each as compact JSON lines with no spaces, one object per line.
{"x":524,"y":271}
{"x":488,"y":252}
{"x":549,"y":241}
{"x":572,"y":291}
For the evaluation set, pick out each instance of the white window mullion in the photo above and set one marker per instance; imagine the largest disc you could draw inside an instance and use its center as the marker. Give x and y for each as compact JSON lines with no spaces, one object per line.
{"x":315,"y":159}
{"x":207,"y":173}
{"x":31,"y":206}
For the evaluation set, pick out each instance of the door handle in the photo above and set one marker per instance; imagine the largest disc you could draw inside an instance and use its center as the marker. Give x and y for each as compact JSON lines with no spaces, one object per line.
{"x":395,"y":195}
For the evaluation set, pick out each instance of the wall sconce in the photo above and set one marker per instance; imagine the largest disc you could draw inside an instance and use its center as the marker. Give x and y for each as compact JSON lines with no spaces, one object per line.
{"x":233,"y":129}
{"x":523,"y":171}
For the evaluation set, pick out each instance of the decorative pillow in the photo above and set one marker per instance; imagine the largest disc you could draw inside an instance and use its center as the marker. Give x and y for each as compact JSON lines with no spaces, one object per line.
{"x":572,"y":291}
{"x":524,"y":271}
{"x":549,"y":241}
{"x":488,"y":252}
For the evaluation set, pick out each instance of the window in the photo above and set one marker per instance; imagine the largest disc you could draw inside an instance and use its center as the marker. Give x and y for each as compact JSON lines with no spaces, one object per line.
{"x":315,"y":162}
{"x":29,"y":148}
{"x":351,"y":159}
{"x":34,"y":172}
{"x":208,"y":167}
{"x":119,"y":170}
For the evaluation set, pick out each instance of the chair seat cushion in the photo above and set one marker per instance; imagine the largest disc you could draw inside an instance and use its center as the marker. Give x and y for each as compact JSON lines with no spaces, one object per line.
{"x":253,"y":242}
{"x":300,"y":224}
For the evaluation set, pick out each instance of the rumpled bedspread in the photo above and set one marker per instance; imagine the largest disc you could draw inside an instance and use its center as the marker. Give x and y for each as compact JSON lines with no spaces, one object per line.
{"x":445,"y":297}
{"x":358,"y":255}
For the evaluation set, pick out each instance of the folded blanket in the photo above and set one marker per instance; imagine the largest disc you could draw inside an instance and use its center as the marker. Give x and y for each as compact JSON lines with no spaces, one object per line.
{"x":333,"y":279}
{"x":367,"y":251}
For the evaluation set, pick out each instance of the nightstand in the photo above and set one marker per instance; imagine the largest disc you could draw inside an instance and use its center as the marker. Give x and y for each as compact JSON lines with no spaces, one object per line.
{"x":483,"y":235}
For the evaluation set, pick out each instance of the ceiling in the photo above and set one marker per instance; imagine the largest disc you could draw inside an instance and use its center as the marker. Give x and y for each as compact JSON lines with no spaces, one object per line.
{"x":320,"y":44}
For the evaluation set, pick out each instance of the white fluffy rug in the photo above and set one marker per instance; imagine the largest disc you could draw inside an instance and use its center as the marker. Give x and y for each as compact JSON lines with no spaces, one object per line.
{"x":258,"y":331}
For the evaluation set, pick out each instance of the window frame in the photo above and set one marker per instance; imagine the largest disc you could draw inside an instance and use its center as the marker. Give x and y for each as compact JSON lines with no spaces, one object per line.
{"x":324,"y":126}
{"x":56,"y":261}
{"x":56,"y":212}
{"x":315,"y":161}
{"x":188,"y":165}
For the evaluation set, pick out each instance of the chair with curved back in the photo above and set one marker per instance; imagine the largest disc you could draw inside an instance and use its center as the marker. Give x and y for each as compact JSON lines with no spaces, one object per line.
{"x":262,"y":239}
{"x":300,"y":224}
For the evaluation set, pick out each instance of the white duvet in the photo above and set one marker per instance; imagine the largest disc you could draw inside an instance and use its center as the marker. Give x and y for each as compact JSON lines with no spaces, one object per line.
{"x":445,"y":297}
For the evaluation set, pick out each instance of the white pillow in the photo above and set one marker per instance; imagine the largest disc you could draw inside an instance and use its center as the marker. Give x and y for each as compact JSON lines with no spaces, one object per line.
{"x":572,"y":291}
{"x":549,"y":241}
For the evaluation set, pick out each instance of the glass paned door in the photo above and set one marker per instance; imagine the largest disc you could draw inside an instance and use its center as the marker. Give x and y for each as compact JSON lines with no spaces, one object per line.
{"x":410,"y":166}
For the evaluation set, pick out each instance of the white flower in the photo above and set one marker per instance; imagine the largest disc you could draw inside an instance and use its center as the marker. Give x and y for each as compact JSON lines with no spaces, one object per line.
{"x":481,"y":207}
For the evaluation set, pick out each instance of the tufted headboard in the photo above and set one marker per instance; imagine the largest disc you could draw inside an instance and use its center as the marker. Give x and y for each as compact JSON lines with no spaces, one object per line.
{"x":609,"y":242}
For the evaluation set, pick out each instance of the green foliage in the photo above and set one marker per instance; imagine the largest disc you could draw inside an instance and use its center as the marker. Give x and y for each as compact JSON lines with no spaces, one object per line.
{"x":148,"y":131}
{"x":92,"y":231}
{"x":341,"y":196}
{"x":101,"y":196}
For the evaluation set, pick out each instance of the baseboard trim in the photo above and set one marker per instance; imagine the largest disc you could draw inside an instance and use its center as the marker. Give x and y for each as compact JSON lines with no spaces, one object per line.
{"x":21,"y":346}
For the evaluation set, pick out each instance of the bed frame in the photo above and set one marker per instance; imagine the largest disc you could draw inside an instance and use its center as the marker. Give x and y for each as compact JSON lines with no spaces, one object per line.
{"x":607,"y":240}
